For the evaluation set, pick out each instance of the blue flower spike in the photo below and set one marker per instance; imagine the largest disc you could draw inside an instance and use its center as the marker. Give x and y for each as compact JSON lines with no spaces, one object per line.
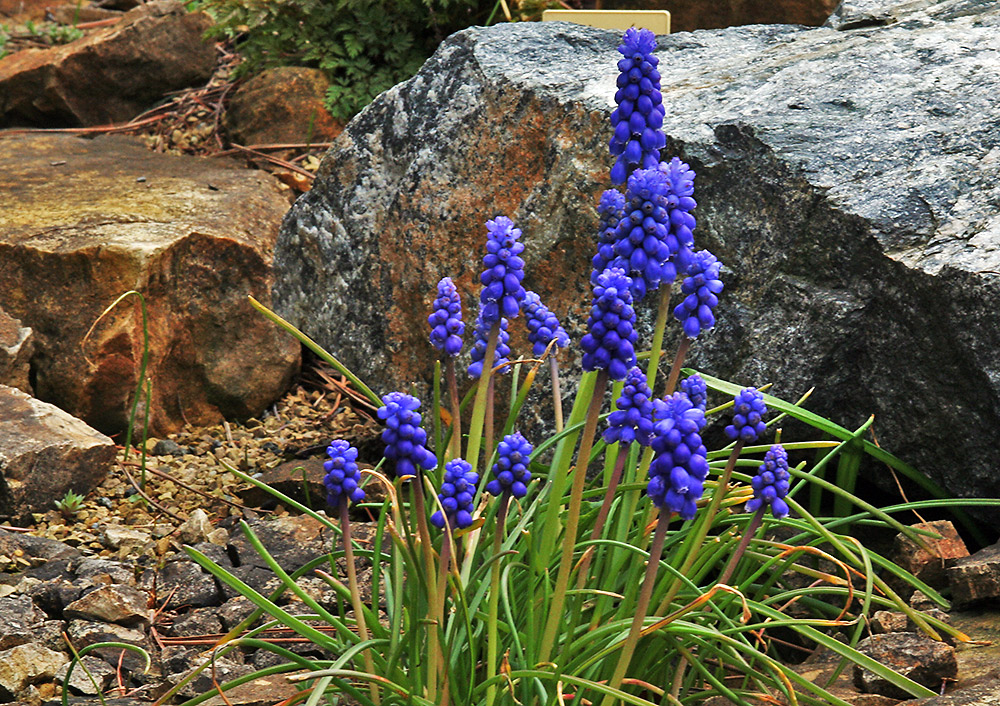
{"x":637,"y":122}
{"x":510,"y":472}
{"x":610,"y":341}
{"x":633,"y":420}
{"x":645,"y":246}
{"x":748,"y":416}
{"x":543,"y":326}
{"x":680,"y":203}
{"x":700,"y":289}
{"x":679,"y":467}
{"x":480,"y":335}
{"x":403,"y":436}
{"x":457,"y":492}
{"x":609,"y":212}
{"x":696,"y":390}
{"x":770,"y":485}
{"x":342,"y":479}
{"x":502,"y":291}
{"x":446,"y":324}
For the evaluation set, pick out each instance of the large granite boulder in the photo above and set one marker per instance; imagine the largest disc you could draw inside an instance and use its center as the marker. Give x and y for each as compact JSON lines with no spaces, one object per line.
{"x":110,"y":75}
{"x":847,"y":179}
{"x":89,"y":220}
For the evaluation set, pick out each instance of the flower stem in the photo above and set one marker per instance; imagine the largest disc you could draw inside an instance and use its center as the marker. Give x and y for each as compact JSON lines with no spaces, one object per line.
{"x":456,"y":408}
{"x":555,"y":617}
{"x":490,"y":394}
{"x":352,"y":584}
{"x":741,"y":548}
{"x":602,"y":515}
{"x":675,"y":369}
{"x":479,"y":409}
{"x":656,"y":345}
{"x":424,"y":537}
{"x":698,"y":538}
{"x":556,"y":394}
{"x":494,"y":605}
{"x":437,"y":625}
{"x":645,"y":594}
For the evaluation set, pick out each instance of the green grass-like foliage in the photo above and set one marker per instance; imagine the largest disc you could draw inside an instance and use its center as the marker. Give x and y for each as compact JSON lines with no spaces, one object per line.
{"x":484,"y":634}
{"x":363,"y":46}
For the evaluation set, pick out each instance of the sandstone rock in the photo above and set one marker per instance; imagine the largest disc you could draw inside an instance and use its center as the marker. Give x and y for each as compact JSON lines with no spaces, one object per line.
{"x":976,"y":578}
{"x":18,"y":618}
{"x":181,"y":583}
{"x":116,"y":603}
{"x":27,"y":664}
{"x":847,"y":180}
{"x":928,"y":562}
{"x":23,"y":10}
{"x":196,"y":528}
{"x":281,"y":106}
{"x":983,"y":694}
{"x":102,"y":672}
{"x":45,"y":452}
{"x":195,"y":236}
{"x":262,"y":691}
{"x":916,"y":656}
{"x":110,"y":75}
{"x":86,"y":632}
{"x":17,"y":343}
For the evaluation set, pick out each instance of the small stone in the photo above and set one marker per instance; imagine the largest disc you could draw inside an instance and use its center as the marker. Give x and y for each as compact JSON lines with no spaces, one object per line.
{"x":884,"y":621}
{"x":976,"y":578}
{"x":918,"y":657}
{"x":167,"y":447}
{"x":116,"y":603}
{"x":196,"y":528}
{"x":928,"y":562}
{"x":102,"y":672}
{"x":27,"y":664}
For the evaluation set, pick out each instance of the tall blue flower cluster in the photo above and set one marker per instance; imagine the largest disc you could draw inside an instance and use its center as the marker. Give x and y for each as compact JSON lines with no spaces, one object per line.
{"x":748,"y":415}
{"x":610,"y":341}
{"x":770,"y":485}
{"x":543,"y":326}
{"x":457,"y":492}
{"x":510,"y":472}
{"x":645,"y":247}
{"x":679,"y":467}
{"x":342,"y":479}
{"x":633,"y":420}
{"x":680,"y":203}
{"x":696,"y":390}
{"x":700,"y":289}
{"x":502,"y":291}
{"x":609,"y":212}
{"x":446,"y":319}
{"x":638,"y":119}
{"x":480,"y":335}
{"x":403,"y":436}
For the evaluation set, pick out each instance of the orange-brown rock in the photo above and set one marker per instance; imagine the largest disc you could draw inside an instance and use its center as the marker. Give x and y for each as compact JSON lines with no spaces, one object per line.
{"x":97,"y":218}
{"x":45,"y":452}
{"x":689,"y":15}
{"x":928,"y":559}
{"x":23,"y":10}
{"x":281,"y":106}
{"x":110,"y":75}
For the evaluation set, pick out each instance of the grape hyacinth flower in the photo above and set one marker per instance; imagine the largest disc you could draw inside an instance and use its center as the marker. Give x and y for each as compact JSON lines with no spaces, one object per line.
{"x":638,"y":120}
{"x":502,"y":291}
{"x":610,"y":341}
{"x":749,"y":410}
{"x":457,"y":492}
{"x":701,"y":288}
{"x":610,"y":212}
{"x":481,"y":337}
{"x":342,"y":479}
{"x":447,"y":328}
{"x":543,"y":326}
{"x":645,"y":247}
{"x":696,"y":390}
{"x":770,"y":485}
{"x":680,"y":203}
{"x":633,"y":420}
{"x":404,"y":438}
{"x":679,"y":468}
{"x":511,"y":469}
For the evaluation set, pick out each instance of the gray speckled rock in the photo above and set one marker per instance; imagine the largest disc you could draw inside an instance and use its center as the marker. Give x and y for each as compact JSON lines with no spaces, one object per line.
{"x":849,"y":180}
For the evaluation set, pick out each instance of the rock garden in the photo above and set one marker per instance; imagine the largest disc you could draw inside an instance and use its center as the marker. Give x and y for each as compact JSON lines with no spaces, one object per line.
{"x":208,"y":275}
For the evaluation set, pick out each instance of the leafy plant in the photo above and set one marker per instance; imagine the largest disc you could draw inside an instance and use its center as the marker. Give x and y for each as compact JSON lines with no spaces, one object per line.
{"x":363,"y":46}
{"x":70,"y":504}
{"x":507,"y":573}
